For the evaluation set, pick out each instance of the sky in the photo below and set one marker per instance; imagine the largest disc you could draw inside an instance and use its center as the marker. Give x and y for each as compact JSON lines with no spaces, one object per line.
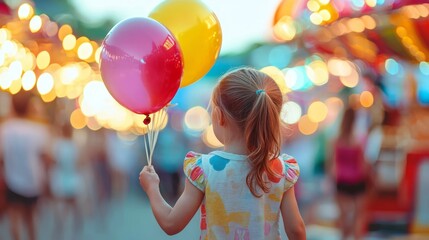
{"x":243,"y":22}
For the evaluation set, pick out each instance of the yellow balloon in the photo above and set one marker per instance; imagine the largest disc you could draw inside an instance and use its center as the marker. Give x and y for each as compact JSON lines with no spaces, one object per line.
{"x":198,"y":32}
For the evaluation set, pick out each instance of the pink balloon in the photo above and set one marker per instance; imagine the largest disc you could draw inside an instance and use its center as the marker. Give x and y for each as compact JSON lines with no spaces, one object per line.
{"x":141,"y":64}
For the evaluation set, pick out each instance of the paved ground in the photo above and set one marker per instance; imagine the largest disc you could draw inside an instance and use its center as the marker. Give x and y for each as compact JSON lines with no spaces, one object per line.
{"x":131,"y":219}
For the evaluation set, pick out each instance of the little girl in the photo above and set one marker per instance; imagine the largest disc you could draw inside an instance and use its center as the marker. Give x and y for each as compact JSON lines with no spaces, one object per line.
{"x":240,"y":190}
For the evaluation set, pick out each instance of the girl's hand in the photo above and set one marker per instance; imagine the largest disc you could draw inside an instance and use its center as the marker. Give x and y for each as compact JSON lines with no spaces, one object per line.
{"x":149,"y":180}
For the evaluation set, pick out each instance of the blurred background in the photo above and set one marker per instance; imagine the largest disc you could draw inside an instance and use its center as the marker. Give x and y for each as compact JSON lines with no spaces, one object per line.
{"x":327,"y":56}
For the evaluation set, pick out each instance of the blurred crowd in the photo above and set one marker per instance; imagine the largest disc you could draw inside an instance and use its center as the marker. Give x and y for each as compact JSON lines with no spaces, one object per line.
{"x":76,"y":173}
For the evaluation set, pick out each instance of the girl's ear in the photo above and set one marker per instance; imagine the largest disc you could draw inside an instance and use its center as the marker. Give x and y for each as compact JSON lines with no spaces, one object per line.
{"x":220,"y":117}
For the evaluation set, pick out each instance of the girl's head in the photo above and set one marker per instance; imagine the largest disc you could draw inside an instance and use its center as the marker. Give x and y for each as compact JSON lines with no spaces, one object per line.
{"x":250,"y":101}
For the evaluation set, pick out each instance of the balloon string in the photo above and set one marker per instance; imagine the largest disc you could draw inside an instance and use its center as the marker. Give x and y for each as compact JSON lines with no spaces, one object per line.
{"x":149,"y":162}
{"x":150,"y":137}
{"x":155,"y":130}
{"x":153,"y":124}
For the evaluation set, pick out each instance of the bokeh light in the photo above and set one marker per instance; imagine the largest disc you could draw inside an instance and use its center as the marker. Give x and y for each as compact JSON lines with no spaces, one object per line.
{"x":85,"y":51}
{"x":210,"y":139}
{"x":424,"y":68}
{"x":197,"y":118}
{"x":43,"y":60}
{"x":366,"y":99}
{"x":28,"y":80}
{"x":77,"y":119}
{"x":317,"y":72}
{"x":45,"y":83}
{"x":15,"y":70}
{"x":69,"y":42}
{"x":317,"y":111}
{"x":306,"y":126}
{"x":25,"y":11}
{"x":285,"y":29}
{"x":35,"y":24}
{"x":291,"y":112}
{"x":64,"y":31}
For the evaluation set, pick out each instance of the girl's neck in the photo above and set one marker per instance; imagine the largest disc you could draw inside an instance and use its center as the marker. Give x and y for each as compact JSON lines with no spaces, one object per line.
{"x":236,"y":147}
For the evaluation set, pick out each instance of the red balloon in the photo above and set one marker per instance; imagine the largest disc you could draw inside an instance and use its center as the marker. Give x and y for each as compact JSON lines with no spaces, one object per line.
{"x":141,"y":64}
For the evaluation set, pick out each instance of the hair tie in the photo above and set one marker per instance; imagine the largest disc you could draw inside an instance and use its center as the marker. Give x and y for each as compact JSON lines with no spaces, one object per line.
{"x":259,"y":91}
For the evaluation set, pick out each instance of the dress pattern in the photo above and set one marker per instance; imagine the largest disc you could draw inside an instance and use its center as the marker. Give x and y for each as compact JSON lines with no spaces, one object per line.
{"x":229,"y":210}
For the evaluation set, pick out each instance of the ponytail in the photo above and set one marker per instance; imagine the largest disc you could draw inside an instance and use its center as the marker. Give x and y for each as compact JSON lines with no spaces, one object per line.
{"x":253,"y":100}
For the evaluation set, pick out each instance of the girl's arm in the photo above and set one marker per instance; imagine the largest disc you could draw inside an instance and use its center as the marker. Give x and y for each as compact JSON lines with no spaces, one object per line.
{"x":171,"y":219}
{"x":292,"y":220}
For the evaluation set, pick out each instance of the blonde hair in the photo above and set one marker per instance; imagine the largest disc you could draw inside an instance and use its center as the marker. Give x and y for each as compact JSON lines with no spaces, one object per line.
{"x":253,"y":101}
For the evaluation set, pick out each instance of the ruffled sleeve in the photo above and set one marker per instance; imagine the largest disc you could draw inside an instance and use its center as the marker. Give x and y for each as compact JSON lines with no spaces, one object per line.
{"x":194,"y":170}
{"x":291,"y":171}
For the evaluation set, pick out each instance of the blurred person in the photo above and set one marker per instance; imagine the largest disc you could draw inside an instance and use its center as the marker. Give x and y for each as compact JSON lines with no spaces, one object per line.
{"x":350,"y":172}
{"x":97,"y":175}
{"x":65,"y":181}
{"x":24,"y":146}
{"x":243,"y":189}
{"x":122,"y":156}
{"x":168,"y":162}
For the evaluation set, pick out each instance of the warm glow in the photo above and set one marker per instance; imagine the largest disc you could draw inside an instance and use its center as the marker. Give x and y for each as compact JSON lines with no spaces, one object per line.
{"x":291,"y":112}
{"x":210,"y":139}
{"x":325,"y":14}
{"x":424,"y":11}
{"x":35,"y":24}
{"x":5,"y":80}
{"x":93,"y":124}
{"x":69,"y":42}
{"x":45,"y":83}
{"x":291,"y":77}
{"x":278,"y":76}
{"x":77,"y":119}
{"x":28,"y":62}
{"x":15,"y":87}
{"x":97,"y":54}
{"x":85,"y":51}
{"x":9,"y":48}
{"x":25,"y":11}
{"x":4,"y":34}
{"x":285,"y":29}
{"x":371,"y":3}
{"x":2,"y":57}
{"x":313,"y":5}
{"x":366,"y":99}
{"x":351,"y":80}
{"x":49,"y":97}
{"x":356,"y":25}
{"x":15,"y":70}
{"x":306,"y":126}
{"x":317,"y":72}
{"x":369,"y":22}
{"x":197,"y":118}
{"x":28,"y":80}
{"x":94,"y":95}
{"x":316,"y":18}
{"x":64,"y":31}
{"x":69,"y":74}
{"x":338,"y":67}
{"x":43,"y":60}
{"x":317,"y":111}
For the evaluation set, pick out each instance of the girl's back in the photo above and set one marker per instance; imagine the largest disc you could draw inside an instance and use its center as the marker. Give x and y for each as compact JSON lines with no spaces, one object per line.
{"x":229,"y":210}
